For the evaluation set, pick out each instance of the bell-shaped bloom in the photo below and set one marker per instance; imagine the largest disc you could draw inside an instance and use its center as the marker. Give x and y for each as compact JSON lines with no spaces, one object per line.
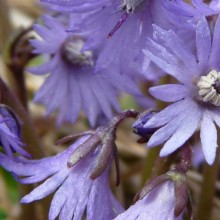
{"x":72,"y":84}
{"x":10,"y":133}
{"x":117,"y":30}
{"x":76,"y":194}
{"x":196,"y":98}
{"x":157,"y":204}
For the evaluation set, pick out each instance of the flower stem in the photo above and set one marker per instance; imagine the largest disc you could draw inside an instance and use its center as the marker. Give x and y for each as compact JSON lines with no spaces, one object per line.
{"x":17,"y":55}
{"x":156,"y":165}
{"x":205,"y":206}
{"x":5,"y":23}
{"x":17,"y":83}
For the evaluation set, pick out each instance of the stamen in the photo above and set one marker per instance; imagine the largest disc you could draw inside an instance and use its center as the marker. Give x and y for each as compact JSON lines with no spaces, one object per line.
{"x":208,"y":88}
{"x":118,"y":25}
{"x":71,"y":52}
{"x":132,"y":6}
{"x":128,"y":7}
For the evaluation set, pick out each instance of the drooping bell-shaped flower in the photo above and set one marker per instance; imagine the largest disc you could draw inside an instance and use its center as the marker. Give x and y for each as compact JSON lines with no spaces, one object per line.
{"x":78,"y":177}
{"x":165,"y":196}
{"x":158,"y":204}
{"x":75,"y":191}
{"x":72,"y":84}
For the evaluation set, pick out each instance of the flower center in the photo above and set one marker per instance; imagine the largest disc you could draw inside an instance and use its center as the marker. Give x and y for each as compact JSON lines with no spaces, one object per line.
{"x":71,"y":52}
{"x":209,"y":88}
{"x":132,"y":6}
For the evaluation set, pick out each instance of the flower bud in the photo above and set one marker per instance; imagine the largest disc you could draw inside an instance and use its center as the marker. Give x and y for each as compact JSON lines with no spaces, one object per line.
{"x":10,"y":132}
{"x":100,"y":142}
{"x":139,"y":129}
{"x":11,"y":119}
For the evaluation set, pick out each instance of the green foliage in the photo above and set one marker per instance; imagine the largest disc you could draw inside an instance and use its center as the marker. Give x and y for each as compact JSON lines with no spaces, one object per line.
{"x":12,"y":186}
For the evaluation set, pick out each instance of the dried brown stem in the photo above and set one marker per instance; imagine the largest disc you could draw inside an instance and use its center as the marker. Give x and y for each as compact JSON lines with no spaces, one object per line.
{"x":5,"y":23}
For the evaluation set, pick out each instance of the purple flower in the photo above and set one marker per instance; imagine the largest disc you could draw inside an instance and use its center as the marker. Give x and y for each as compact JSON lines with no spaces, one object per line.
{"x":157,"y":204}
{"x":72,"y":84}
{"x":10,"y":132}
{"x":196,"y":98}
{"x":117,"y":30}
{"x":75,"y":192}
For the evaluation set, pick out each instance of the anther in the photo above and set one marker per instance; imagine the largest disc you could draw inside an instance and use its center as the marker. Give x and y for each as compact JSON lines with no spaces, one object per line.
{"x":71,"y":52}
{"x":132,"y":6}
{"x":209,"y":88}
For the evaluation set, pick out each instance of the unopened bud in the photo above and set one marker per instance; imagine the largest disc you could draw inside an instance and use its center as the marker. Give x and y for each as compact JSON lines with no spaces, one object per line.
{"x":138,"y":126}
{"x":11,"y":119}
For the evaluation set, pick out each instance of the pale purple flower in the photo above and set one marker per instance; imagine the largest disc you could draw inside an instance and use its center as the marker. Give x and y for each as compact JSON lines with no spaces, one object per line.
{"x":120,"y":47}
{"x":72,"y":84}
{"x":10,"y":133}
{"x":158,"y":204}
{"x":196,"y":98}
{"x":75,"y":192}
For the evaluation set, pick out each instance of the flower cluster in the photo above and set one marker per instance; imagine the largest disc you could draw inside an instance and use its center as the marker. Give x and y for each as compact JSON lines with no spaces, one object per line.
{"x":74,"y":190}
{"x":117,"y":31}
{"x":94,"y":51}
